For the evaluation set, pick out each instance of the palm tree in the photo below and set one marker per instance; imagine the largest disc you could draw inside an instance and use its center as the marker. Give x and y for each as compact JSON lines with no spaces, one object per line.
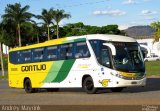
{"x":46,"y":16}
{"x":156,"y":26}
{"x":58,"y":16}
{"x":18,"y":15}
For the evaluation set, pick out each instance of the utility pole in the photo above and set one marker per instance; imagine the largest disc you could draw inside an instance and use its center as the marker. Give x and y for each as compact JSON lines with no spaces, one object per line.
{"x":1,"y":57}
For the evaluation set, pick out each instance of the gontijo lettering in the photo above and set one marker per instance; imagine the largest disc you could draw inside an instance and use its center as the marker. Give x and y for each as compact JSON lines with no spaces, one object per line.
{"x":33,"y":68}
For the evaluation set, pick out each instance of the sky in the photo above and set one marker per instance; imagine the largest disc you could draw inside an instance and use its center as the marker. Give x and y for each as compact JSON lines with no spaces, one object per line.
{"x":124,"y":13}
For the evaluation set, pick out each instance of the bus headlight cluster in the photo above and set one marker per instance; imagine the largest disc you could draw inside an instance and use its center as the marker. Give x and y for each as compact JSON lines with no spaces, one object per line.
{"x":120,"y":76}
{"x":117,"y":75}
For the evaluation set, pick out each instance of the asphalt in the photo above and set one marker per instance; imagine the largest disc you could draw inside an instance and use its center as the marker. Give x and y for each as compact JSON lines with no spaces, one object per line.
{"x":148,"y":95}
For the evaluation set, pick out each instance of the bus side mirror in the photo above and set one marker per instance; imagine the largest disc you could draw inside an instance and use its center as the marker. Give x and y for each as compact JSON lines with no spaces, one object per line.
{"x":112,"y":47}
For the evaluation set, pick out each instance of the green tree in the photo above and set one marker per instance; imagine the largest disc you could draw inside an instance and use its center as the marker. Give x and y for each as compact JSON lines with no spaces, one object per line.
{"x":92,"y":29}
{"x":156,"y":26}
{"x":47,"y":17}
{"x":58,"y":16}
{"x":18,"y":15}
{"x":36,"y":29}
{"x":10,"y":36}
{"x":27,"y":32}
{"x":110,"y":29}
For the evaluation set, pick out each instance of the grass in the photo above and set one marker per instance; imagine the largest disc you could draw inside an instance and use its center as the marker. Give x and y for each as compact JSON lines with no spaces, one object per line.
{"x":152,"y":68}
{"x":4,"y":77}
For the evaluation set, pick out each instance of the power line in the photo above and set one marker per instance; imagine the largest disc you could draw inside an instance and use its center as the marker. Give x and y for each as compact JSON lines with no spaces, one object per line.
{"x":87,"y":3}
{"x":76,"y":5}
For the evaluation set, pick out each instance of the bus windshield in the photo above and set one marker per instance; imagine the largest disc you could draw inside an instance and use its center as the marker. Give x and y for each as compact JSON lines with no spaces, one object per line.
{"x":128,"y":57}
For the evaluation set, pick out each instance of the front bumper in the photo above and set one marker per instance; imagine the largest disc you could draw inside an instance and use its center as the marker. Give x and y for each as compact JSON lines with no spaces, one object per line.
{"x":118,"y":82}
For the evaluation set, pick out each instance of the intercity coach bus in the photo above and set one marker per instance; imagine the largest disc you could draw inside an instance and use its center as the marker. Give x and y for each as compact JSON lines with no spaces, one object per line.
{"x":91,"y":61}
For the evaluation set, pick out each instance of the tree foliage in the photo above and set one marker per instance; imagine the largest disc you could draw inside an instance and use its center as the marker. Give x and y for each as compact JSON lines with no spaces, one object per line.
{"x":17,"y":15}
{"x":18,"y":29}
{"x":47,"y":17}
{"x":58,"y":15}
{"x":156,"y":26}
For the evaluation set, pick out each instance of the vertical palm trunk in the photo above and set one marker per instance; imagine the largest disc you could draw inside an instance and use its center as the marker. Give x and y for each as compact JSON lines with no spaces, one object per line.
{"x":57,"y":31}
{"x":19,"y":35}
{"x":48,"y":32}
{"x":37,"y":38}
{"x":1,"y":54}
{"x":37,"y":35}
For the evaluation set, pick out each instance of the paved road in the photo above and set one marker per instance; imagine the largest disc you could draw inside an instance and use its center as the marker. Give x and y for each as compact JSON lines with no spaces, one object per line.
{"x":149,"y":95}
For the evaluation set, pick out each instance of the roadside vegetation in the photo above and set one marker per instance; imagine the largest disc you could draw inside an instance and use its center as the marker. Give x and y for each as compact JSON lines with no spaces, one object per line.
{"x":152,"y":68}
{"x":19,"y":27}
{"x":5,"y":77}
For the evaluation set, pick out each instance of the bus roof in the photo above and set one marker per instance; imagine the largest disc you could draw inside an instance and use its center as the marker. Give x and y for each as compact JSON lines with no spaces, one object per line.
{"x":106,"y":37}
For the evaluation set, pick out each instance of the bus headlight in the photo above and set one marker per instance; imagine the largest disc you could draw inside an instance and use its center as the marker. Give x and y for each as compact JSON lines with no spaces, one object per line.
{"x":116,"y":74}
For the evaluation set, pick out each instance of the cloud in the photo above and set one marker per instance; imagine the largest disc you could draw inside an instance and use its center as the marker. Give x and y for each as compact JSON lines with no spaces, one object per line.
{"x":109,"y":12}
{"x":128,"y":2}
{"x":148,"y":12}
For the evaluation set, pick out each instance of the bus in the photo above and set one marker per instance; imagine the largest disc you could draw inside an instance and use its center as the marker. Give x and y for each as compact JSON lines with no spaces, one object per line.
{"x":91,"y":62}
{"x":146,"y":51}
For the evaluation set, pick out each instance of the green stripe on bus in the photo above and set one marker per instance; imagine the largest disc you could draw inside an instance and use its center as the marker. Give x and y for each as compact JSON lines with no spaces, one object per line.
{"x":53,"y":72}
{"x":80,"y":40}
{"x":75,"y":40}
{"x":65,"y":69}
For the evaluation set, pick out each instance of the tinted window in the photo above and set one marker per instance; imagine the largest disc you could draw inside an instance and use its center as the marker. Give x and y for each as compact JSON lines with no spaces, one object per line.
{"x":96,"y":45}
{"x":105,"y":57}
{"x":38,"y":54}
{"x":25,"y":56}
{"x":102,"y":52}
{"x":66,"y":51}
{"x":82,"y":50}
{"x":51,"y":53}
{"x":14,"y":57}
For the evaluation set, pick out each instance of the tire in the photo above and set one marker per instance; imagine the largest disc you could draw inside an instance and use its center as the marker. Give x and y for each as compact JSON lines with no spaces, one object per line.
{"x":28,"y":86}
{"x":118,"y":89}
{"x":88,"y":86}
{"x":52,"y":89}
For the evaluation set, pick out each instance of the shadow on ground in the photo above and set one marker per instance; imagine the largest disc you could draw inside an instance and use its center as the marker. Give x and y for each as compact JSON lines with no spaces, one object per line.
{"x":153,"y":84}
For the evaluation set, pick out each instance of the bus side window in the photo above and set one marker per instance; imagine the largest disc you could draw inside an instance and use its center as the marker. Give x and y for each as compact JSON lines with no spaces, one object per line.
{"x":69,"y":53}
{"x":105,"y":57}
{"x":51,"y":52}
{"x":38,"y":54}
{"x":66,"y":51}
{"x":13,"y":57}
{"x":25,"y":56}
{"x":63,"y":52}
{"x":82,"y":50}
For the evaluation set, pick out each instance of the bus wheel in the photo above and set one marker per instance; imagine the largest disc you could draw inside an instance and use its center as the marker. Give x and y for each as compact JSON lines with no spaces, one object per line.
{"x":88,"y":86}
{"x":118,"y":89}
{"x":28,"y":86}
{"x":52,"y":89}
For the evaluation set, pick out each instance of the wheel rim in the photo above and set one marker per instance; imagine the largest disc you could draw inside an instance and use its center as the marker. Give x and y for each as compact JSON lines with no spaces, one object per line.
{"x":89,"y":85}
